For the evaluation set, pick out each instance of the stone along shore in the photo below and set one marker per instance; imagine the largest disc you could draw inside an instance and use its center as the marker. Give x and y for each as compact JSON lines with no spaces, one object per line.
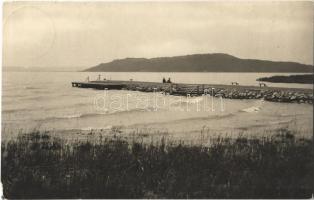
{"x":275,"y":94}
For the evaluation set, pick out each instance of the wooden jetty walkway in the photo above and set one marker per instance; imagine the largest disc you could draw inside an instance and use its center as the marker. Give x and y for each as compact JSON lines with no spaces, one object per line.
{"x":231,"y":91}
{"x":100,"y":85}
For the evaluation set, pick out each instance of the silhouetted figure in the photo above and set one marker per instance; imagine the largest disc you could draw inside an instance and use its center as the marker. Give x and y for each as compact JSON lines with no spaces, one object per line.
{"x":164,"y":80}
{"x":168,"y":81}
{"x":262,"y":85}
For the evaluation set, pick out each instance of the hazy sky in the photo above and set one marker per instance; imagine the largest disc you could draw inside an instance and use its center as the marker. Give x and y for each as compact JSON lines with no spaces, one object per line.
{"x":86,"y":34}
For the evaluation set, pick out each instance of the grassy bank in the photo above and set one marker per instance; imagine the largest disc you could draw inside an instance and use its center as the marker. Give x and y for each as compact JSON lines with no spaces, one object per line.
{"x":37,"y":165}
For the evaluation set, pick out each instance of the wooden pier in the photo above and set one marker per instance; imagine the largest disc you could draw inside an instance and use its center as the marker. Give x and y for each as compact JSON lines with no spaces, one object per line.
{"x":100,"y":85}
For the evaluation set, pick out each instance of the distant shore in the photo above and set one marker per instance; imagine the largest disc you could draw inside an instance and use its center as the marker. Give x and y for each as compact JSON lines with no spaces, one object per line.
{"x":215,"y":62}
{"x":304,"y":79}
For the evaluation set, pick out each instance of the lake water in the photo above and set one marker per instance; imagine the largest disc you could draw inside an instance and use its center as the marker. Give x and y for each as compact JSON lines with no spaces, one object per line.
{"x":46,"y":100}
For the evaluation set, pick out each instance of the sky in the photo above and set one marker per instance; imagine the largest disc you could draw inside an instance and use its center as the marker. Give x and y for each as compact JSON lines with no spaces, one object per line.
{"x":78,"y":34}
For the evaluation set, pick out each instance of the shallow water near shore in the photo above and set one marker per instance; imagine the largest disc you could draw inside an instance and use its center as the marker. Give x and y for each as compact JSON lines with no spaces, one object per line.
{"x":46,"y":101}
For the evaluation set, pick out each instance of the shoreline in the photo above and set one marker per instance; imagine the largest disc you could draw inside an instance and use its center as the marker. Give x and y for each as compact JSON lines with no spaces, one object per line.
{"x":300,"y":78}
{"x":147,"y":134}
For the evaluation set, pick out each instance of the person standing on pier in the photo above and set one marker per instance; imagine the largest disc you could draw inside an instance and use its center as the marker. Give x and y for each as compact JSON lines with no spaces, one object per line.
{"x":163,"y":80}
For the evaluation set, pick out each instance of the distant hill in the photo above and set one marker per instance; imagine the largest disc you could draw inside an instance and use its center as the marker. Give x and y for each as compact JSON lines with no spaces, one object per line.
{"x":217,"y":62}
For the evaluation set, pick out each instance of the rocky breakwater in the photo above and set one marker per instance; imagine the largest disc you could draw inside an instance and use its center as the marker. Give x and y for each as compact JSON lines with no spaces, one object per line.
{"x":289,"y":95}
{"x":268,"y":95}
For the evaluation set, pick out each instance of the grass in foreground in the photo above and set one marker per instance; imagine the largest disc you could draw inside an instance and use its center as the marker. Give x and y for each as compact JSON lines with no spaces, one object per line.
{"x":39,"y":166}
